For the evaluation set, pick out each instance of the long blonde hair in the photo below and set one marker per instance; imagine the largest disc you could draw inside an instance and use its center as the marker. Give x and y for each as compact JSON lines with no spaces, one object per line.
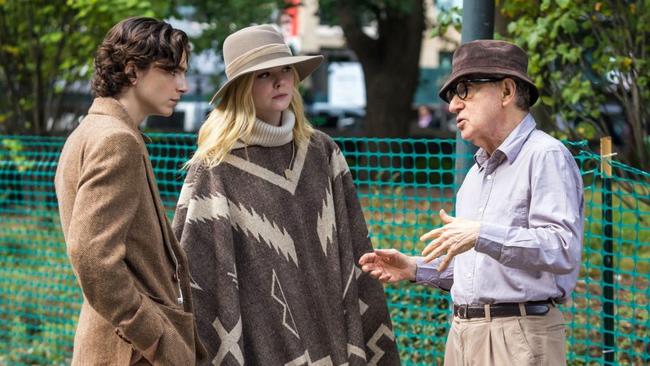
{"x":234,"y":117}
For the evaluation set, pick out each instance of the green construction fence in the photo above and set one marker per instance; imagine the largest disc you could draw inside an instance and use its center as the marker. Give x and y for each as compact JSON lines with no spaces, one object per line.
{"x":401,"y":183}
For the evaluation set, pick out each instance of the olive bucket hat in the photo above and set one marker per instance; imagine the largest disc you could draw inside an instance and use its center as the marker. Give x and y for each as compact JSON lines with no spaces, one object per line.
{"x":489,"y":58}
{"x":257,"y":48}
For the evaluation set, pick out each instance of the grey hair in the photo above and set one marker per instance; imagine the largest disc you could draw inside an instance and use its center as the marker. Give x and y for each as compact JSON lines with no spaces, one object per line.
{"x":523,"y":95}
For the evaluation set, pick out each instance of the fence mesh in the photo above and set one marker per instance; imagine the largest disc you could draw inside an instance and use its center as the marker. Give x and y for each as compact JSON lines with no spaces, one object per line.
{"x":401,"y":183}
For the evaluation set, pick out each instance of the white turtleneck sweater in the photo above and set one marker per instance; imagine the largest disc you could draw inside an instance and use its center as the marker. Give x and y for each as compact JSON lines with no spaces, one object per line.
{"x":268,"y":135}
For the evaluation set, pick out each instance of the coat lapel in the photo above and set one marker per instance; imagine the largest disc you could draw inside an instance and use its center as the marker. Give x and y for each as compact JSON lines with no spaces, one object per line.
{"x":160,"y":210}
{"x":174,"y":250}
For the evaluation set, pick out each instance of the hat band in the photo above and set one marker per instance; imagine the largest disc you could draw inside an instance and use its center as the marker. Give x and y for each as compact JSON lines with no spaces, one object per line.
{"x":242,"y":60}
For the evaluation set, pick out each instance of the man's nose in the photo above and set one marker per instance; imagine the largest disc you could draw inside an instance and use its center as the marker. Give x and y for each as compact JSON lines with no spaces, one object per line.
{"x":455,"y":104}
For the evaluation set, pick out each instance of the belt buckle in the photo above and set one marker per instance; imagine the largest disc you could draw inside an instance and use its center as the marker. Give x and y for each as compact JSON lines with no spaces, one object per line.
{"x":462,"y":311}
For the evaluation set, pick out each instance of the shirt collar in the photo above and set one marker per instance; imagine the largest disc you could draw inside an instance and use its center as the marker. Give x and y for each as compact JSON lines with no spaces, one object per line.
{"x":511,"y":146}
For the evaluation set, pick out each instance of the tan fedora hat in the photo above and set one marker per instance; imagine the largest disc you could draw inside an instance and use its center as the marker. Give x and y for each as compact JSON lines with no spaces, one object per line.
{"x":489,"y":58}
{"x":257,"y":48}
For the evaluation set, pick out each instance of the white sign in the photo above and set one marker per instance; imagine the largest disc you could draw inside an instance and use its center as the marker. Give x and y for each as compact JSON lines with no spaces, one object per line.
{"x":346,"y":86}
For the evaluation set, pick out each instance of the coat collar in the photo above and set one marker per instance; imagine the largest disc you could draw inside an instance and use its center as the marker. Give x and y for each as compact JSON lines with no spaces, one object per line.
{"x":107,"y":106}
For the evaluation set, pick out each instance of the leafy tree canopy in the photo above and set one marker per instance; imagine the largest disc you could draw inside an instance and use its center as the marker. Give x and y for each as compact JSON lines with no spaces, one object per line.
{"x":589,"y":57}
{"x":220,"y":18}
{"x":590,"y":61}
{"x":45,"y":46}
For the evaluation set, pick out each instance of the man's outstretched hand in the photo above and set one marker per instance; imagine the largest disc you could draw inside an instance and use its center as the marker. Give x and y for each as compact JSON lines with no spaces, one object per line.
{"x":388,"y":265}
{"x":456,"y":236}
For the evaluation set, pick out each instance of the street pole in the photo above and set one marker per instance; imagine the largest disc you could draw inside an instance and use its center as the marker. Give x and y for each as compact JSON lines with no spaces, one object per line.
{"x":609,"y":344}
{"x":478,"y":23}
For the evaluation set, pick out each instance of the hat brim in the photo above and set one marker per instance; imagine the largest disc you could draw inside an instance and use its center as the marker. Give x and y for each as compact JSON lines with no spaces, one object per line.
{"x":492,"y":71}
{"x":304,"y":65}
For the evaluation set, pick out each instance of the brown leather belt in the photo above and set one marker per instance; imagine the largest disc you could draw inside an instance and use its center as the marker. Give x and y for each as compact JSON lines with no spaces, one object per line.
{"x":536,"y":308}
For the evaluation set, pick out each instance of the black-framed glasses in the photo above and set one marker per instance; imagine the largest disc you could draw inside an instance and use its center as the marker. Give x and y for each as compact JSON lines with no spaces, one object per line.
{"x":462,"y":87}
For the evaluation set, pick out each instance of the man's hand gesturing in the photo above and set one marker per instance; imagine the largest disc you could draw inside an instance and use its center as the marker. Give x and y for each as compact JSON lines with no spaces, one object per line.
{"x":388,"y":265}
{"x":456,"y":236}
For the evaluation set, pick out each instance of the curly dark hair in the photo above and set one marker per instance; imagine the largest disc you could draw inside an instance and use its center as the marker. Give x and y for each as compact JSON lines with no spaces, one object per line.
{"x":141,"y":41}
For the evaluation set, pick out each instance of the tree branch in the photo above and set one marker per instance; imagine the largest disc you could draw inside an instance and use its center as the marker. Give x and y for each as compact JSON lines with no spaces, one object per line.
{"x":10,"y":70}
{"x":364,"y":46}
{"x":50,"y":110}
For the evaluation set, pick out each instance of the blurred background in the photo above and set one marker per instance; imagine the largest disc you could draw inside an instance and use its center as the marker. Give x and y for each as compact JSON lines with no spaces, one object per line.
{"x":376,"y":94}
{"x":384,"y":62}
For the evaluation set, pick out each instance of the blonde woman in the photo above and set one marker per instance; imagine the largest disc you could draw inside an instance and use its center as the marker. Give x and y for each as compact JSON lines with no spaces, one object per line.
{"x":272,"y":226}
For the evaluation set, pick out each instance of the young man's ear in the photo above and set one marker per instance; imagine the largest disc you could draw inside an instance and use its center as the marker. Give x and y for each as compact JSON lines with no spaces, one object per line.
{"x":131,"y":72}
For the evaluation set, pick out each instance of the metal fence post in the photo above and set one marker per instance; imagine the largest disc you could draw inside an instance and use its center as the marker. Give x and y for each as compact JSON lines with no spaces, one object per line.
{"x":609,"y":351}
{"x":478,"y":23}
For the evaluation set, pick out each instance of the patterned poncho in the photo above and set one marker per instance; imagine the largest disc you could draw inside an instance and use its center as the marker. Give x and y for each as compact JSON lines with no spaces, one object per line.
{"x":273,"y":236}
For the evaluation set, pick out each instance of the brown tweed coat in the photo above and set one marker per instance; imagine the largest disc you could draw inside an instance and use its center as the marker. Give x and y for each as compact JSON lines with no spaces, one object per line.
{"x":121,"y":246}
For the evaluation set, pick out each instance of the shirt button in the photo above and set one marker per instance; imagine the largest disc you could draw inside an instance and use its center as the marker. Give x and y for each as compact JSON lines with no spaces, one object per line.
{"x":489,"y":177}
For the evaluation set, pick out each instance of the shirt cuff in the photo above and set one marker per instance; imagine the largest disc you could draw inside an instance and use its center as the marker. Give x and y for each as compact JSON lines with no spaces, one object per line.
{"x":490,"y":239}
{"x":426,"y":273}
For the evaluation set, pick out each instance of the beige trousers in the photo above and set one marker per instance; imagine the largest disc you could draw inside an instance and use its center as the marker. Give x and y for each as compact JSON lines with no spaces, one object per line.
{"x":516,"y":341}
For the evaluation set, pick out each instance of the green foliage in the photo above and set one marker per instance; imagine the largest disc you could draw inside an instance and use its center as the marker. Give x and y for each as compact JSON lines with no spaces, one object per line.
{"x":445,"y":19}
{"x":12,"y":148}
{"x":367,"y":11}
{"x":220,"y":18}
{"x":39,"y":299}
{"x":47,"y":45}
{"x":584,"y":54}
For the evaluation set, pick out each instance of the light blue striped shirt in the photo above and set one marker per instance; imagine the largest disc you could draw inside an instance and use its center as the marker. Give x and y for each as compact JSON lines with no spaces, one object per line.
{"x":528,"y":197}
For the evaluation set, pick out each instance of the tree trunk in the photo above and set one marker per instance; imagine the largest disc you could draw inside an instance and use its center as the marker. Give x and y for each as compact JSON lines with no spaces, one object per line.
{"x":389,"y":96}
{"x":10,"y":65}
{"x":390,"y":64}
{"x":501,"y":20}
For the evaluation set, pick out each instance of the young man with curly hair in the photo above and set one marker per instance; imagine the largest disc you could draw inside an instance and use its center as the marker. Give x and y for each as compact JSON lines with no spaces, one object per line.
{"x":137,"y":308}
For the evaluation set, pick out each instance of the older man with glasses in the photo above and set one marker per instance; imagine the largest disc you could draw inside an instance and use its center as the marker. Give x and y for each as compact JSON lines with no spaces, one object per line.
{"x":512,"y":253}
